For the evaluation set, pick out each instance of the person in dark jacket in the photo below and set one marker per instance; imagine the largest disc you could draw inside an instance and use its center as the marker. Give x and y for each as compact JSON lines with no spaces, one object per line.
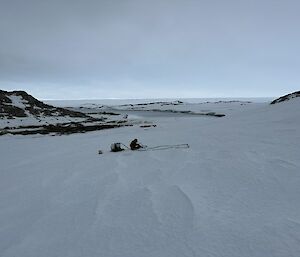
{"x":134,"y":145}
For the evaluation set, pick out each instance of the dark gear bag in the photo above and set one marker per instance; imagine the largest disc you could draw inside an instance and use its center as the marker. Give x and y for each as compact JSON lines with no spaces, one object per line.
{"x":116,"y":147}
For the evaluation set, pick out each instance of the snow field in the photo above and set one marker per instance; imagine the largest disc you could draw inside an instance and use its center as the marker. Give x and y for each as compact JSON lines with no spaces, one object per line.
{"x":234,"y":192}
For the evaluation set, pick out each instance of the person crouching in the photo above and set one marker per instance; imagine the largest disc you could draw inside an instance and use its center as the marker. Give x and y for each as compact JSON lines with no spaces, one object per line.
{"x":134,"y":145}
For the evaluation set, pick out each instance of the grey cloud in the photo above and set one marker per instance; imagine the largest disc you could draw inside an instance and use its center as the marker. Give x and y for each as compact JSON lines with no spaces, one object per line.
{"x":207,"y":46}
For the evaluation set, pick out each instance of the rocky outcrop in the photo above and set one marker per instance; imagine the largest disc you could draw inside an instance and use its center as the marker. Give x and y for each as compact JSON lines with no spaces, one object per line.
{"x":22,"y":114}
{"x":286,"y":97}
{"x":20,"y":104}
{"x":61,"y":129}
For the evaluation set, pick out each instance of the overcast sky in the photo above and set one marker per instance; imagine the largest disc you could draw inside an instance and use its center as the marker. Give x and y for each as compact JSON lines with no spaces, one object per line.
{"x":79,"y":49}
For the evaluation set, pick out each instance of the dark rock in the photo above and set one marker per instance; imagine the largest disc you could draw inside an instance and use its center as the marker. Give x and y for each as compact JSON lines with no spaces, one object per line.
{"x":64,"y":129}
{"x":147,"y":126}
{"x":32,"y":106}
{"x":286,"y":97}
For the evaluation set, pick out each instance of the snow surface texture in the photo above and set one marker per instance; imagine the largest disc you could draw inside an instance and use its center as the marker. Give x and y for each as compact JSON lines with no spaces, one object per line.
{"x":234,"y":192}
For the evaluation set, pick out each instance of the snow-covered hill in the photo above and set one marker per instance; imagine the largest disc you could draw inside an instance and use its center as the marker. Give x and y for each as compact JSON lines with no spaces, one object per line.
{"x":286,"y":97}
{"x":233,"y":193}
{"x":20,"y":104}
{"x":21,"y":113}
{"x":17,"y":108}
{"x":207,"y":108}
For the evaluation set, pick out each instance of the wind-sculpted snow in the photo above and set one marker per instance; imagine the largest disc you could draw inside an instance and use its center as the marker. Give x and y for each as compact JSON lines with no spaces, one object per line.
{"x":233,"y":193}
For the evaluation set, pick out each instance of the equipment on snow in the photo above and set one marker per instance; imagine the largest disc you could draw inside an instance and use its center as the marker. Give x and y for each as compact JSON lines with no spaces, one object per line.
{"x":116,"y":147}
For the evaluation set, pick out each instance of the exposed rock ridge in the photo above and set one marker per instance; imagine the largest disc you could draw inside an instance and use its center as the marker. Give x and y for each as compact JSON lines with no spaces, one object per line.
{"x":286,"y":97}
{"x":20,"y":104}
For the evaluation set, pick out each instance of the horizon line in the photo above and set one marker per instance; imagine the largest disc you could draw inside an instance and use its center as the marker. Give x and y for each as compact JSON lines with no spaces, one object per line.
{"x":153,"y":98}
